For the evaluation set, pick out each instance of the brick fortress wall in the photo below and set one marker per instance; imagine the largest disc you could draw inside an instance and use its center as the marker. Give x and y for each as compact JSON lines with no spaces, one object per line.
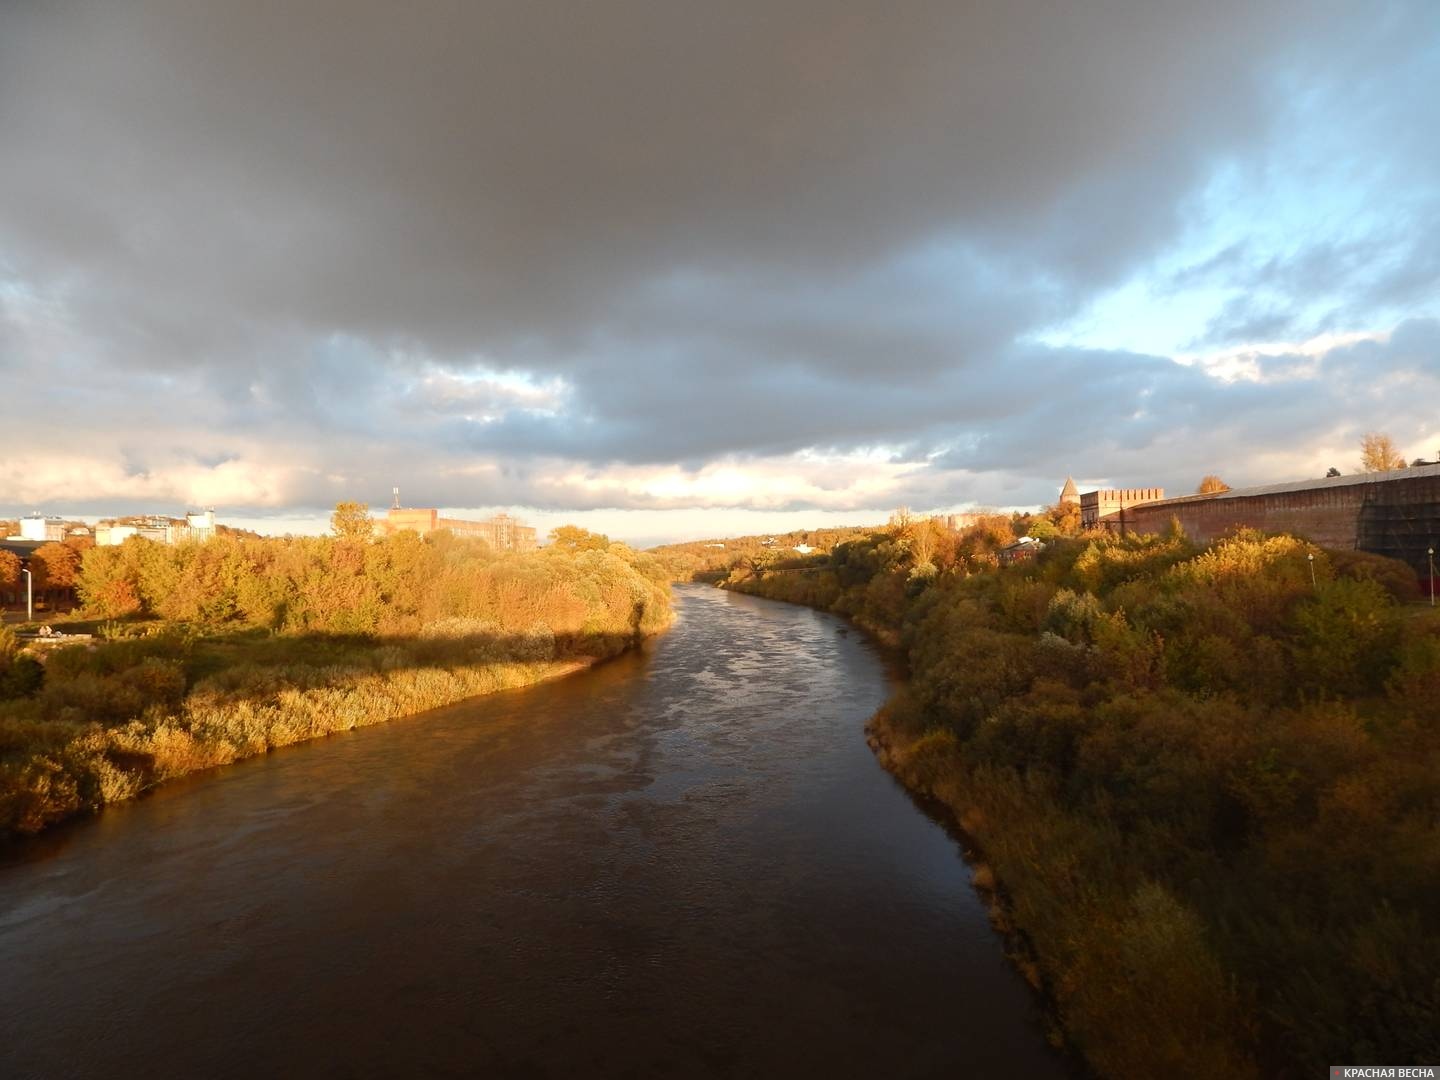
{"x":1097,"y":507}
{"x":1395,"y":514}
{"x":1329,"y":518}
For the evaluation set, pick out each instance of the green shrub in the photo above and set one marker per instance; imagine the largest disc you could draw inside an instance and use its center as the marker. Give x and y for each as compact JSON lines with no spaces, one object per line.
{"x":21,"y":677}
{"x":1345,"y":637}
{"x":1395,"y":577}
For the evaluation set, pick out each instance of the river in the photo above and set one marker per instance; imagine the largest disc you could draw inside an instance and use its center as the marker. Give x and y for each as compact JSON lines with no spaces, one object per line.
{"x":685,"y":862}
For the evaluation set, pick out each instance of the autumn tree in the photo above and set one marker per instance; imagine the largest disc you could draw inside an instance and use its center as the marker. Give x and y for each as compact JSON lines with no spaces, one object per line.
{"x":1211,"y":484}
{"x":1065,"y":516}
{"x":901,"y":520}
{"x":574,"y":538}
{"x":9,"y":572}
{"x":351,"y":521}
{"x":926,"y":537}
{"x":1378,"y":453}
{"x":1040,"y":528}
{"x":55,"y":567}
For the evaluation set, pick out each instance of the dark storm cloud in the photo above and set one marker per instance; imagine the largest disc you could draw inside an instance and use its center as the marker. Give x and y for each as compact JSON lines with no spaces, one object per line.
{"x":463,"y":174}
{"x":363,"y":240}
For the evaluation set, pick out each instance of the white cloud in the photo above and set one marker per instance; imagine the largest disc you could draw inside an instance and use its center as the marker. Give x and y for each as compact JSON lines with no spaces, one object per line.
{"x":52,"y":479}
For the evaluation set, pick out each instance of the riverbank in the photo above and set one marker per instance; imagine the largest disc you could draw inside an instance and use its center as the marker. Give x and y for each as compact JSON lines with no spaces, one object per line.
{"x":1202,"y":780}
{"x":894,"y":747}
{"x":1074,"y":937}
{"x":89,"y":753}
{"x":207,"y":653}
{"x":1118,"y":974}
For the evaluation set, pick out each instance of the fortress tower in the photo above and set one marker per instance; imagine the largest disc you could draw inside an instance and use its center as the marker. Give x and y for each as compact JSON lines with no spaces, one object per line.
{"x":1069,"y":493}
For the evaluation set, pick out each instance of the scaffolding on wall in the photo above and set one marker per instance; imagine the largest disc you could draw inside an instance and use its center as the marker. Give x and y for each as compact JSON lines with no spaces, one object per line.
{"x":1399,"y":527}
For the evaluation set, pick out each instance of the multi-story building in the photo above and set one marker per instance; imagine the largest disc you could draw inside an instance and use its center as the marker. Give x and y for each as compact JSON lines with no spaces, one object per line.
{"x":43,"y":529}
{"x":156,"y":529}
{"x":502,"y":532}
{"x":199,"y":525}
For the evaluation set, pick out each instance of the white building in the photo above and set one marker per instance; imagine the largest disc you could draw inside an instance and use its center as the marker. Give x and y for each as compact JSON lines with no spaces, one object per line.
{"x":109,"y":535}
{"x":41,"y":528}
{"x":199,"y":525}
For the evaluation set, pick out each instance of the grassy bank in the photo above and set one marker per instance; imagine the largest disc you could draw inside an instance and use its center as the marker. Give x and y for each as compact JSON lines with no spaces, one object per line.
{"x":109,"y":726}
{"x":302,"y":639}
{"x":1205,"y":785}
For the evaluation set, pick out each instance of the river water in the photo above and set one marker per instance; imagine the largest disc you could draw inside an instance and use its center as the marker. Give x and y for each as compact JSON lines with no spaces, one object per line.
{"x":685,"y":862}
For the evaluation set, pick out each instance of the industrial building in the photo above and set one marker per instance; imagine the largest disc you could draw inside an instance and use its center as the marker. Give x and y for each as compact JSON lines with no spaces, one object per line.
{"x":40,"y":528}
{"x":502,"y":532}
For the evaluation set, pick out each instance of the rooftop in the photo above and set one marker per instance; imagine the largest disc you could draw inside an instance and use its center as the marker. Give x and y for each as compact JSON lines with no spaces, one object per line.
{"x":19,"y":547}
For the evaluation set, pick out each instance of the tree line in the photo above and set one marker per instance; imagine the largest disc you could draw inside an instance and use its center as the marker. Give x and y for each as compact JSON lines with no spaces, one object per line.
{"x":394,"y":585}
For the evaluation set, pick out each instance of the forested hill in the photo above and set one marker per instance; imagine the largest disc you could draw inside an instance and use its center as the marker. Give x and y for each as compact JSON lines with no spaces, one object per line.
{"x":710,"y":560}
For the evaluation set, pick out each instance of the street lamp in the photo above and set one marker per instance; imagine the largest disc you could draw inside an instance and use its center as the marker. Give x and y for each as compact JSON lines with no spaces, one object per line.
{"x":1310,"y":558}
{"x":1430,"y":551}
{"x":29,"y":595}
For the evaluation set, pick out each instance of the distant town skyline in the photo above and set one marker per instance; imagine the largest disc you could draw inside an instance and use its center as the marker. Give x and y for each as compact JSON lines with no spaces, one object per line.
{"x":672,"y":273}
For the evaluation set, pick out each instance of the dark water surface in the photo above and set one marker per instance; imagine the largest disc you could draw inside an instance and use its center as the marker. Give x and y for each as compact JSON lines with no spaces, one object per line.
{"x":684,"y":863}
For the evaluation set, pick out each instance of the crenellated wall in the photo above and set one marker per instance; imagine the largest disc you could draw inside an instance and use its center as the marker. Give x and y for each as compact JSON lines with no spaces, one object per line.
{"x":1098,"y":508}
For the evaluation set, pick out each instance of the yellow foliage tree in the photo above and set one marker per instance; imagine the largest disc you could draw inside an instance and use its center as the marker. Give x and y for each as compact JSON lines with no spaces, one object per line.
{"x":9,"y":571}
{"x":55,"y":567}
{"x":1379,"y":454}
{"x":573,"y":538}
{"x":351,"y":521}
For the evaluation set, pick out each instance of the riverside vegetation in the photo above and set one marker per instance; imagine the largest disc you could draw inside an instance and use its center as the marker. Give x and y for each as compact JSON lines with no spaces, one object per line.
{"x":1206,"y":791}
{"x":219,"y":651}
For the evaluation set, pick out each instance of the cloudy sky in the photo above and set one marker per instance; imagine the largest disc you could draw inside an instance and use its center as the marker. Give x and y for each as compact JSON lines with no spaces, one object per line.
{"x":675,"y":268}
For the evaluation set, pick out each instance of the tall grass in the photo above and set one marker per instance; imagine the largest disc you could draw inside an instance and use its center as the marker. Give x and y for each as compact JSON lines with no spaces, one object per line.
{"x":52,"y":769}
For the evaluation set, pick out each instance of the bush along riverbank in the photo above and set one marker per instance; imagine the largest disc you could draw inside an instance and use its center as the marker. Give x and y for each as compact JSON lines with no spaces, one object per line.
{"x":220,"y":651}
{"x":1207,"y":785}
